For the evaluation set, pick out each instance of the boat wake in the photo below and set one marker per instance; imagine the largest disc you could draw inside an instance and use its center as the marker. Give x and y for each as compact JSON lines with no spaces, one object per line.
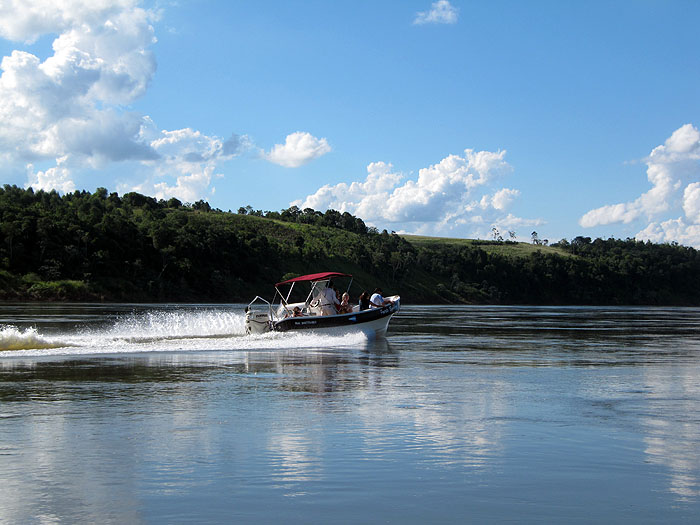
{"x":13,"y":338}
{"x":159,"y":331}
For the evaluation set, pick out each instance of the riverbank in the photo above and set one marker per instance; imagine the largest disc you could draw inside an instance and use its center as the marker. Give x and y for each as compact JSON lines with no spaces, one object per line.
{"x":106,"y":247}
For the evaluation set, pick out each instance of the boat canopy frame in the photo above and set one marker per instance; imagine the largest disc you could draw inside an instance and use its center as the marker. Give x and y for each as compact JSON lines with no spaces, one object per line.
{"x":314,"y":279}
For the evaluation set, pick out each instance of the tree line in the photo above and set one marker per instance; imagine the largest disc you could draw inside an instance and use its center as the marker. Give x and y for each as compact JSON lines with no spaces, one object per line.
{"x":103,"y":246}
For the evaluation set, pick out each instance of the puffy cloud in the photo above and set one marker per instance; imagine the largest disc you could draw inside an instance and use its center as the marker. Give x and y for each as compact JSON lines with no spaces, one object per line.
{"x":187,"y":162}
{"x":102,"y":137}
{"x":21,"y":20}
{"x":673,"y":169}
{"x":299,"y":148}
{"x":190,"y":185}
{"x":443,"y":186}
{"x":187,"y":145}
{"x":358,"y":196}
{"x":56,"y":178}
{"x":691,"y":202}
{"x":452,"y":194}
{"x":672,"y":230}
{"x":500,"y":200}
{"x":69,"y":108}
{"x":441,"y":12}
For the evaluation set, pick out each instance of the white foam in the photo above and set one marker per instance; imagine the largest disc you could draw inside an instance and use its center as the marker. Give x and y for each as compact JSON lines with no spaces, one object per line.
{"x":14,"y":338}
{"x":174,"y":324}
{"x":164,"y":331}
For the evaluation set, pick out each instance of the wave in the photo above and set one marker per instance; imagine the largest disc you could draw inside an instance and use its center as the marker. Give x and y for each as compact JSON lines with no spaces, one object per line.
{"x":177,"y":324}
{"x":162,"y":331}
{"x":14,"y":338}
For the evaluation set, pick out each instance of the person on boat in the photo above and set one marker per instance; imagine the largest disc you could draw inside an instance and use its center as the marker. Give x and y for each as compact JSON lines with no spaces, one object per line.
{"x":377,"y":301}
{"x":345,"y":306}
{"x":296,"y":312}
{"x":364,"y":300}
{"x":329,"y":301}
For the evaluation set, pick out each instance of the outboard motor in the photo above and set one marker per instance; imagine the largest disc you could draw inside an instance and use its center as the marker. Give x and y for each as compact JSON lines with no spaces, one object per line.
{"x":257,"y":322}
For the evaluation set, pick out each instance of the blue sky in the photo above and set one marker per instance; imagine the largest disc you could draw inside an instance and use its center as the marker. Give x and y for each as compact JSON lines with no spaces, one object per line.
{"x":442,"y":118}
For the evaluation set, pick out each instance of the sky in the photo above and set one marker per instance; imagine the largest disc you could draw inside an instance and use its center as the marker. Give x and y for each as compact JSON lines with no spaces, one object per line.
{"x":445,"y":118}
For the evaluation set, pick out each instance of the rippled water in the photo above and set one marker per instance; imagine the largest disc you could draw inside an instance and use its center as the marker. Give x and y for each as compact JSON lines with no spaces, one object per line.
{"x":169,"y":414}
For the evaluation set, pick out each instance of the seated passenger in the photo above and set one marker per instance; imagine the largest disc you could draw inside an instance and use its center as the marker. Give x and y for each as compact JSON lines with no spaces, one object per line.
{"x":345,"y":307}
{"x":297,"y":312}
{"x":377,"y":301}
{"x":364,"y":301}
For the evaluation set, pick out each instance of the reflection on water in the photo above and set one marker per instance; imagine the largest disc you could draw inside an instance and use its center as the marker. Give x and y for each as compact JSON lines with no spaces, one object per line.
{"x":169,"y":414}
{"x":672,"y":427}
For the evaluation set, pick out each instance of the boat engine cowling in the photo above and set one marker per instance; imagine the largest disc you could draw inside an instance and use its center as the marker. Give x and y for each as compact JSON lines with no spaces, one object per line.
{"x":257,"y":322}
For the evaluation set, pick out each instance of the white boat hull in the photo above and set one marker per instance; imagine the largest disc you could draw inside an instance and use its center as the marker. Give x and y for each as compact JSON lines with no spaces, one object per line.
{"x":372,"y":322}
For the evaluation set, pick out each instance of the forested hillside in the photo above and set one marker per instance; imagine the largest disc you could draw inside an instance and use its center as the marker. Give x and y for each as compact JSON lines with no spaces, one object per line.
{"x":102,"y":246}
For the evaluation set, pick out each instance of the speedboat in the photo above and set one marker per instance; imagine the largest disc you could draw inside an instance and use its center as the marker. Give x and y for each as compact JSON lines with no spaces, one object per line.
{"x":312,"y":314}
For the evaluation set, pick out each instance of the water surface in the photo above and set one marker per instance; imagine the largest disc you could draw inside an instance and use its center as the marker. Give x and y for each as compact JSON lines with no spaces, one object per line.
{"x":169,"y":414}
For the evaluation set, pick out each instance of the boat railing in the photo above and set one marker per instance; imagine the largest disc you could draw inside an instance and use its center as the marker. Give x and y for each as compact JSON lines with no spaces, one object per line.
{"x":253,"y":306}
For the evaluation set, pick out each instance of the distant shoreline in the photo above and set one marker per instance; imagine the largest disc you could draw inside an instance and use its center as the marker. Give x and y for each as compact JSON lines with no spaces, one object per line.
{"x":103,"y":247}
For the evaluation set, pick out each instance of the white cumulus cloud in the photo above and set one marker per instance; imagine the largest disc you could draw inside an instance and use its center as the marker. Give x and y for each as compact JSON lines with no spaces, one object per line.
{"x":446,"y":197}
{"x":500,"y":200}
{"x":691,"y":202}
{"x":56,"y":178}
{"x":187,"y":162}
{"x":69,"y":109}
{"x":673,"y":170}
{"x":672,"y":230}
{"x":441,"y":12}
{"x":22,"y":20}
{"x":298,"y":149}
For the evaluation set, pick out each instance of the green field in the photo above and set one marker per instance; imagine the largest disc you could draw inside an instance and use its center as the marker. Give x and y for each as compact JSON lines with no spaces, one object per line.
{"x":504,"y":248}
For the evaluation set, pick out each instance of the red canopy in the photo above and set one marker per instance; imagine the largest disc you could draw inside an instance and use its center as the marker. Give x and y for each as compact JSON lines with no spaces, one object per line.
{"x":315,"y":277}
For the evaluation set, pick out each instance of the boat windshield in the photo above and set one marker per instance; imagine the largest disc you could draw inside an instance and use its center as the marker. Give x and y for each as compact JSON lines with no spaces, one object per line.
{"x":318,"y":289}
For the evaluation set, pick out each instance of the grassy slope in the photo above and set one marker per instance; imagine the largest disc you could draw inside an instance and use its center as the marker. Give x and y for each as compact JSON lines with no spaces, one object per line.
{"x":424,"y":285}
{"x":316,"y":237}
{"x":513,"y":249}
{"x":421,"y":288}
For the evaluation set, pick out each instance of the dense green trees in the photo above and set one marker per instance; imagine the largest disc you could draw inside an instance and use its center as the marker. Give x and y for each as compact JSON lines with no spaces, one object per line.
{"x":100,"y":246}
{"x":134,"y":247}
{"x":331,"y":218}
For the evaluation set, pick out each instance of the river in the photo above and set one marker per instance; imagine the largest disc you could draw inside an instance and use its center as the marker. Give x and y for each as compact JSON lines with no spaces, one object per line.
{"x":170,"y":414}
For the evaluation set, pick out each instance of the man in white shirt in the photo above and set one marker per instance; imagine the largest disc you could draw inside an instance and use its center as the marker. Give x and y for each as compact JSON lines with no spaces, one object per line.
{"x":377,"y":301}
{"x":329,"y":301}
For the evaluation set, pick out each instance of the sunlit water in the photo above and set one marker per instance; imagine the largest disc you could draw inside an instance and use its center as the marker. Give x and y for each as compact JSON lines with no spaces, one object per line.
{"x":170,"y":414}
